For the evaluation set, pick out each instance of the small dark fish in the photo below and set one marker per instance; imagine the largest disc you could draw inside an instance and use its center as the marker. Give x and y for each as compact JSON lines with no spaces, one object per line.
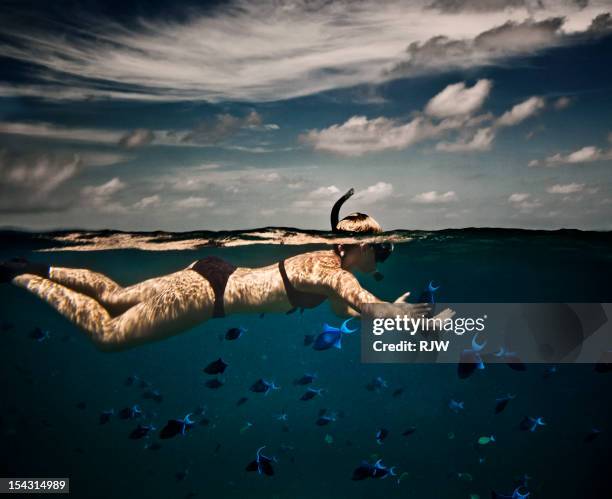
{"x":325,"y":419}
{"x":470,"y":359}
{"x":204,"y":422}
{"x":549,"y":371}
{"x":306,"y":379}
{"x":81,"y":405}
{"x":592,"y":435}
{"x":242,"y":400}
{"x":377,"y":384}
{"x":181,"y":475}
{"x":216,"y":367}
{"x":176,"y":427}
{"x":153,"y":395}
{"x":141,"y":431}
{"x":397,"y":393}
{"x":308,"y":339}
{"x":511,"y":359}
{"x":200,"y":410}
{"x":144,"y":384}
{"x":262,"y":464}
{"x":311,"y":393}
{"x":105,"y":416}
{"x":502,"y":402}
{"x":234,"y":333}
{"x":39,"y":335}
{"x":376,"y":470}
{"x":214,"y":384}
{"x":381,"y":435}
{"x":604,"y":365}
{"x":263,"y":386}
{"x":217,"y":448}
{"x":130,"y":380}
{"x":152,"y":446}
{"x":130,"y":412}
{"x":409,"y":431}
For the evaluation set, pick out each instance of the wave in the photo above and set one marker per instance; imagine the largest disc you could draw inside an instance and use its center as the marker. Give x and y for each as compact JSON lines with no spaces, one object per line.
{"x":100,"y":240}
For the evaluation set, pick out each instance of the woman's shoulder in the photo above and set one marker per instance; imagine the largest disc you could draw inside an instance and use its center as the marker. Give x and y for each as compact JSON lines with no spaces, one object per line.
{"x":317,"y":260}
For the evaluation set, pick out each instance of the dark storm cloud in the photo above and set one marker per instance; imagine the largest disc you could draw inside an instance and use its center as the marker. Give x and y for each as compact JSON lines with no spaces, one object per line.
{"x":493,"y":5}
{"x":509,"y":39}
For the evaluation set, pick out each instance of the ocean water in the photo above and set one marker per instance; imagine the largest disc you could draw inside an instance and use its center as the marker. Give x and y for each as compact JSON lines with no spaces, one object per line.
{"x":54,"y":391}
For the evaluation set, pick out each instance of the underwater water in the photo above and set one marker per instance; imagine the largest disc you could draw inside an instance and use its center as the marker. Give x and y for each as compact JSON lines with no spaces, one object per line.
{"x":53,"y":391}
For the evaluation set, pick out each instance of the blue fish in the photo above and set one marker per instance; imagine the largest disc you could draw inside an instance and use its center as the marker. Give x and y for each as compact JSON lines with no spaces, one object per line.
{"x":176,"y":427}
{"x":105,"y":416}
{"x":311,"y":393}
{"x":470,"y":359}
{"x":130,"y":412}
{"x":518,"y":493}
{"x":263,"y":386}
{"x":332,"y":336}
{"x":376,"y":470}
{"x":428,"y":295}
{"x":531,"y":424}
{"x":306,"y":379}
{"x":262,"y":464}
{"x":381,"y":435}
{"x":455,"y":406}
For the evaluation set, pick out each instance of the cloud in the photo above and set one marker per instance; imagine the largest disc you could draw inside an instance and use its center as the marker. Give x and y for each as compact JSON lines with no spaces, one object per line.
{"x":450,"y":110}
{"x":585,"y":154}
{"x":562,"y":103}
{"x":480,"y":141}
{"x":206,"y":134}
{"x":147,"y":202}
{"x":458,"y":99}
{"x":193,"y":202}
{"x":223,"y":127}
{"x":360,"y":135}
{"x":518,"y":197}
{"x":269,"y":51}
{"x":565,"y":188}
{"x":433,"y":197}
{"x":56,"y":132}
{"x":521,"y":112}
{"x":523,"y":202}
{"x":324,"y":192}
{"x":137,"y":138}
{"x":29,"y":182}
{"x":441,"y":52}
{"x":375,"y":193}
{"x":100,"y":196}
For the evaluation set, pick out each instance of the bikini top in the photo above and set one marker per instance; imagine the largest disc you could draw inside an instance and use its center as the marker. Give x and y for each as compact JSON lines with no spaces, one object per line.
{"x":298,"y":299}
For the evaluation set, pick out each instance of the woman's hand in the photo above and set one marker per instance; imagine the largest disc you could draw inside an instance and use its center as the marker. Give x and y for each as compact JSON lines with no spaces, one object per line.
{"x":412,"y":309}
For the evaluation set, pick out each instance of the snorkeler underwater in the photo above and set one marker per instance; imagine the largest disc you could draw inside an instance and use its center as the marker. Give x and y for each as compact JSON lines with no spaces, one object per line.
{"x":295,"y":249}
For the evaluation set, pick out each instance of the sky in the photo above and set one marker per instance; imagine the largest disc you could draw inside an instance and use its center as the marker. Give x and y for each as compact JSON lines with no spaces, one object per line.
{"x":232,"y":115}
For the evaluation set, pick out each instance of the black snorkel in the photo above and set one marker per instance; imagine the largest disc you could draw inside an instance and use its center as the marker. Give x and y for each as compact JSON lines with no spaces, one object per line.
{"x":381,"y":250}
{"x":336,"y":210}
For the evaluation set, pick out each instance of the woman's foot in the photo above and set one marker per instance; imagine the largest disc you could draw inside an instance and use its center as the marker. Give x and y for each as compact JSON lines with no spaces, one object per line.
{"x":17,"y":266}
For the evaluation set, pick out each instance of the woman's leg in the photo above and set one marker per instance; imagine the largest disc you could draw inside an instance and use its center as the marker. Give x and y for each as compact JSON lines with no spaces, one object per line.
{"x":114,"y":297}
{"x":185,"y":300}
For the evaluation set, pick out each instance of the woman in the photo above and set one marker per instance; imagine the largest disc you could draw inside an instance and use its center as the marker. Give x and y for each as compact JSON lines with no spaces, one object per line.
{"x":116,"y":318}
